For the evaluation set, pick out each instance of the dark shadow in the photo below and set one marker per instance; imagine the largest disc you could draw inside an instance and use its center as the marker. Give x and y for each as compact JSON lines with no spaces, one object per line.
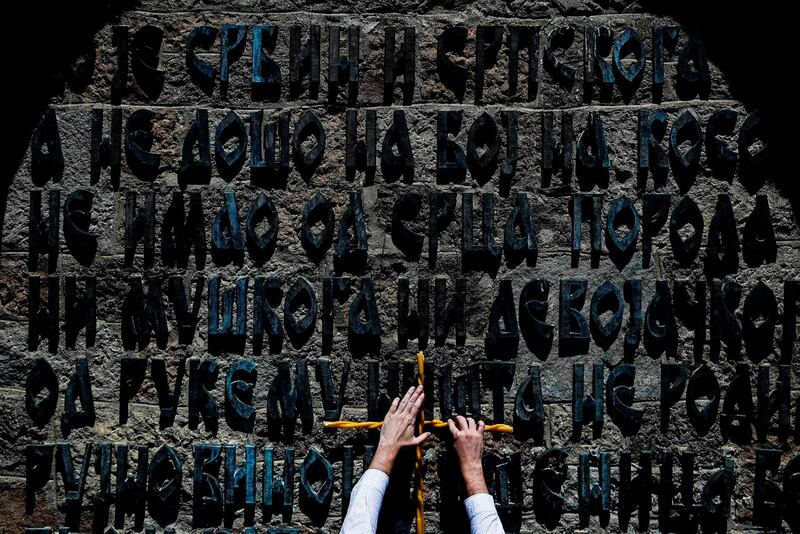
{"x":451,"y":495}
{"x":362,"y":345}
{"x":57,"y":57}
{"x":353,"y":261}
{"x":223,"y":257}
{"x":269,"y":92}
{"x":397,"y":511}
{"x":754,"y":178}
{"x":482,"y":261}
{"x":226,"y":343}
{"x":588,"y":177}
{"x":743,"y":44}
{"x":369,"y":174}
{"x":451,"y":176}
{"x":269,"y":179}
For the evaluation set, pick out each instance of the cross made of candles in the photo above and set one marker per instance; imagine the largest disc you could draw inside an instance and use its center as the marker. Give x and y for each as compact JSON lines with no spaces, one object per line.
{"x":422,"y":424}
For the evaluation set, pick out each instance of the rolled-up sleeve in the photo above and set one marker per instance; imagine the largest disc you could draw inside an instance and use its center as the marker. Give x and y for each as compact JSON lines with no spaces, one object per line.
{"x":483,"y":518}
{"x":365,"y":503}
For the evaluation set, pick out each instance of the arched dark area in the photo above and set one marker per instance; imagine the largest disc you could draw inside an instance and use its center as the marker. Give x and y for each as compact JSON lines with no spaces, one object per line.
{"x":749,"y":46}
{"x":42,"y":43}
{"x":752,"y":47}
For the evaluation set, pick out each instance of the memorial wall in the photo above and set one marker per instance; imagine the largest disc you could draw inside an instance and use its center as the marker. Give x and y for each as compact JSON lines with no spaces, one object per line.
{"x":234,"y":222}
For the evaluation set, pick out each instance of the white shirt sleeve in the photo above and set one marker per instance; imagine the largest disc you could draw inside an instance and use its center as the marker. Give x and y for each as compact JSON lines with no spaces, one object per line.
{"x":483,"y":518}
{"x":365,"y":503}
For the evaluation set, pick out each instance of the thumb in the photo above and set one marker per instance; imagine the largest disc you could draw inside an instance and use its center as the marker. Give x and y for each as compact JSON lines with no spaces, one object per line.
{"x":421,"y":438}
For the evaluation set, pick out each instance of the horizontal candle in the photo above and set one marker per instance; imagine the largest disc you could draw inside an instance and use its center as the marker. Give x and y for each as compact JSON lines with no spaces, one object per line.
{"x":435,"y":423}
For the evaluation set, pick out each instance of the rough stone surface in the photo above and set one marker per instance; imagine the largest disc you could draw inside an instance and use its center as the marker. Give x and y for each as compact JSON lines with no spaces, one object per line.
{"x":174,"y":110}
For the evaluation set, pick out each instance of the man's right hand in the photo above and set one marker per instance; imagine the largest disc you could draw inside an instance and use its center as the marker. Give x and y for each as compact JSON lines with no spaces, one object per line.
{"x":398,"y":429}
{"x":468,"y":444}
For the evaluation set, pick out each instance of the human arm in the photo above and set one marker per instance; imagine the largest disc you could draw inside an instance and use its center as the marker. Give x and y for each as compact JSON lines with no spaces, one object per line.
{"x":365,"y":503}
{"x":397,"y":432}
{"x":468,"y":444}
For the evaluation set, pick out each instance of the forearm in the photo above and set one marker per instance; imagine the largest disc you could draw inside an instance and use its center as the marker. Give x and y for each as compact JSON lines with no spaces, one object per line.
{"x":397,"y":431}
{"x":468,"y":444}
{"x":384,"y":458}
{"x":483,"y":518}
{"x":473,"y":478}
{"x":365,"y":503}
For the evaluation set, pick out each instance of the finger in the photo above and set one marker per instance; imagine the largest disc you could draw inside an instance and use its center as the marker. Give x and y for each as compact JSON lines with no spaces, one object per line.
{"x":414,"y":410}
{"x":471,"y":423}
{"x":452,"y":426}
{"x":481,"y":426}
{"x":404,"y":401}
{"x":393,"y":407}
{"x":416,"y":393}
{"x":462,"y":423}
{"x":421,"y":438}
{"x":419,"y":390}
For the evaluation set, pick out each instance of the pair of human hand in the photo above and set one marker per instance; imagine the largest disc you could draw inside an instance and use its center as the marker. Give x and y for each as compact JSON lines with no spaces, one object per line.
{"x":397,"y":432}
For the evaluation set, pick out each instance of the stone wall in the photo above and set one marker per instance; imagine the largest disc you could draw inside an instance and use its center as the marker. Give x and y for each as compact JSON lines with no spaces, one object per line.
{"x":513,"y":290}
